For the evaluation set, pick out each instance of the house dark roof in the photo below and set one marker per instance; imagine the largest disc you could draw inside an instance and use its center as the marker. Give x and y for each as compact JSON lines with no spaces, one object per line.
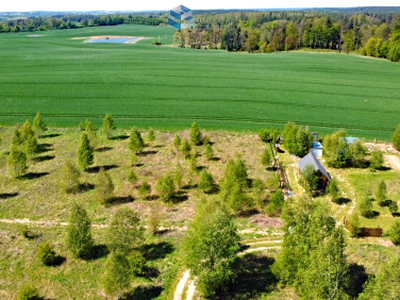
{"x":311,"y":159}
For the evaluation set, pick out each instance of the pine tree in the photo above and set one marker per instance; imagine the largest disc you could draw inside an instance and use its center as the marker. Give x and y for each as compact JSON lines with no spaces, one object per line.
{"x":38,"y":125}
{"x":381,"y":193}
{"x":136,"y":143}
{"x":108,"y":126}
{"x":209,"y":152}
{"x":89,"y":130}
{"x":79,"y":239}
{"x":376,"y":161}
{"x":206,"y":182}
{"x":165,"y":187}
{"x":104,"y":186}
{"x":177,"y":142}
{"x":85,"y":152}
{"x":185,"y":148}
{"x":151,"y":135}
{"x":266,"y":158}
{"x":70,"y":177}
{"x":195,"y":134}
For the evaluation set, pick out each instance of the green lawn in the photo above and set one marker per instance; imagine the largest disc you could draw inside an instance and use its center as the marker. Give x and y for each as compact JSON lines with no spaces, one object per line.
{"x":167,"y":87}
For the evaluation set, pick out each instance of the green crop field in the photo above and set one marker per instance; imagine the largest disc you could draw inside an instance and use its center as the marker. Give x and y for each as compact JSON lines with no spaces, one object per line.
{"x":167,"y":87}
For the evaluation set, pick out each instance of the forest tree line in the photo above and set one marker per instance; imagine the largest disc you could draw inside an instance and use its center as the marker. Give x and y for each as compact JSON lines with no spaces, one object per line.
{"x":376,"y":35}
{"x":72,"y":21}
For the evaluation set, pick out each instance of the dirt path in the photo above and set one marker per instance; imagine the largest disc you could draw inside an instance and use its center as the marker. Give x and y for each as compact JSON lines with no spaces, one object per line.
{"x":191,"y":289}
{"x":181,"y":285}
{"x":393,"y":161}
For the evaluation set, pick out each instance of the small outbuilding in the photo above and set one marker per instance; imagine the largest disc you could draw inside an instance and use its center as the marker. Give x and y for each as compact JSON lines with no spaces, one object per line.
{"x":311,"y":159}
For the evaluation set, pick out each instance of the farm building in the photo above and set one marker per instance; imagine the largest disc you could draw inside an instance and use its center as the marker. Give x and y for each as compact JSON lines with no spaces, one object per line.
{"x":316,"y":149}
{"x":310,"y":159}
{"x":181,"y":17}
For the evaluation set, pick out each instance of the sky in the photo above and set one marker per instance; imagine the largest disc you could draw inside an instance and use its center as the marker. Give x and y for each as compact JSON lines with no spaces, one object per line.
{"x":138,"y":5}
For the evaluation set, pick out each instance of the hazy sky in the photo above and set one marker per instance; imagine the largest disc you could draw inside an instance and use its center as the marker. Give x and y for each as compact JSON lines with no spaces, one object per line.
{"x":139,"y":5}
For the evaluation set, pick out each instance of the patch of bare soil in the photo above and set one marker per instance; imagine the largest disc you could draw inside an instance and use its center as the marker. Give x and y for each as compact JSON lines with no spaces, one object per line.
{"x":393,"y":161}
{"x":266,"y":222}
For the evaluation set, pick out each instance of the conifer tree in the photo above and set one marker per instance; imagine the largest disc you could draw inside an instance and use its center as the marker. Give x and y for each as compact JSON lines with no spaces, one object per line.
{"x":266,"y":157}
{"x":195,"y":134}
{"x":79,"y":238}
{"x":177,"y":142}
{"x":104,"y":186}
{"x":136,"y":143}
{"x":381,"y":193}
{"x":89,"y":130}
{"x":108,"y":126}
{"x":151,"y":135}
{"x":70,"y":177}
{"x":185,"y":148}
{"x":85,"y":152}
{"x":117,"y":275}
{"x":209,"y":152}
{"x":16,"y":162}
{"x":39,"y":127}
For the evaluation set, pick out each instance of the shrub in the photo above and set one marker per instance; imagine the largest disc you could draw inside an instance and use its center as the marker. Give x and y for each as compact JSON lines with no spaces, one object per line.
{"x":376,"y":160}
{"x":117,"y":275}
{"x":309,"y":178}
{"x":206,"y":182}
{"x":136,"y":262}
{"x":178,"y":176}
{"x":195,"y":134}
{"x":393,"y":207}
{"x":185,"y":148}
{"x":193,"y":162}
{"x":365,"y":207}
{"x":165,"y":188}
{"x":144,"y":189}
{"x":89,"y":130}
{"x":394,"y":233}
{"x":206,"y":140}
{"x":70,"y":177}
{"x":266,"y":157}
{"x":275,"y":206}
{"x":209,"y":152}
{"x":28,"y":292}
{"x":154,"y":220}
{"x":132,"y":177}
{"x":381,"y":193}
{"x":104,"y":186}
{"x":264,"y":135}
{"x":177,"y":142}
{"x":46,"y":254}
{"x":333,"y":190}
{"x":259,"y":194}
{"x":151,"y":135}
{"x":79,"y":238}
{"x":353,"y":224}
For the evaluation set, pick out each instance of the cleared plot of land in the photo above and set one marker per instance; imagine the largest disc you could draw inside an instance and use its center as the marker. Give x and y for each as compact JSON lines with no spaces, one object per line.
{"x":167,"y":87}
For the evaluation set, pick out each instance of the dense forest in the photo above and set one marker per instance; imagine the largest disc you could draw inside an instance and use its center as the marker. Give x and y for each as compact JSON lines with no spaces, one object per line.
{"x":375,"y":33}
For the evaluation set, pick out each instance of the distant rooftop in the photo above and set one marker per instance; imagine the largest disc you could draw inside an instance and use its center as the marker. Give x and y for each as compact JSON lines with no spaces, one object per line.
{"x":310,"y":159}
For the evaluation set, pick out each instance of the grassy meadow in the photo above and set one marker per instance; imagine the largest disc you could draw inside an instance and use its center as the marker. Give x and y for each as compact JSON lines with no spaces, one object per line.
{"x":167,"y":87}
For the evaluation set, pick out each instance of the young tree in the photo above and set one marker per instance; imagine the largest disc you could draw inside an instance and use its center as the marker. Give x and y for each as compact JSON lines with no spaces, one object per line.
{"x":38,"y":125}
{"x":31,"y":146}
{"x":178,"y":176}
{"x":185,"y":148}
{"x":266,"y":158}
{"x":357,"y":153}
{"x":353,"y":224}
{"x":393,"y":207}
{"x":108,"y":126}
{"x":165,"y":188}
{"x":396,"y":138}
{"x":275,"y":206}
{"x":104,"y":186}
{"x":381,"y":193}
{"x":154,"y":220}
{"x":151,"y":135}
{"x":177,"y":142}
{"x":386,"y":283}
{"x":85,"y":152}
{"x":309,"y":178}
{"x":210,"y":247}
{"x":28,"y":292}
{"x":209,"y":152}
{"x":195,"y":134}
{"x":394,"y":233}
{"x":365,"y":206}
{"x":125,"y":233}
{"x":79,"y":238}
{"x":16,"y":163}
{"x":70,"y":177}
{"x":89,"y":130}
{"x":336,"y":150}
{"x":117,"y":275}
{"x":144,"y":189}
{"x":132,"y":177}
{"x":17,"y":141}
{"x":376,"y":161}
{"x":333,"y":190}
{"x":206,"y":182}
{"x":136,"y":143}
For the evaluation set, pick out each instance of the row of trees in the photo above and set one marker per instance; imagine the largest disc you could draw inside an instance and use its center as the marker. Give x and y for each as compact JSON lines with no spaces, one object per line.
{"x":374,"y":35}
{"x":72,"y":21}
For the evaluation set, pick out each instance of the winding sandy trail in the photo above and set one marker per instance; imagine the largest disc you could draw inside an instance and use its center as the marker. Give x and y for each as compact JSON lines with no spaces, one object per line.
{"x":181,"y":285}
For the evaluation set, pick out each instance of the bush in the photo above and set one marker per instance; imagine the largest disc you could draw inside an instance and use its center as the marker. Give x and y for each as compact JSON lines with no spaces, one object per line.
{"x":165,"y":187}
{"x":206,"y":182}
{"x":177,"y":142}
{"x":46,"y":254}
{"x":108,"y":126}
{"x":365,"y":207}
{"x":144,"y":189}
{"x":85,"y":152}
{"x":381,"y":193}
{"x":178,"y":176}
{"x":264,"y":135}
{"x":70,"y":177}
{"x":393,"y":207}
{"x":394,"y":233}
{"x":333,"y":190}
{"x":209,"y":152}
{"x":136,"y":262}
{"x":154,"y":220}
{"x":28,"y":292}
{"x":353,"y":224}
{"x":136,"y":143}
{"x":132,"y":177}
{"x":151,"y":135}
{"x":38,"y":125}
{"x":266,"y":157}
{"x":309,"y":178}
{"x":275,"y":206}
{"x":117,"y":274}
{"x":16,"y":163}
{"x":104,"y":186}
{"x":376,"y":160}
{"x":185,"y":148}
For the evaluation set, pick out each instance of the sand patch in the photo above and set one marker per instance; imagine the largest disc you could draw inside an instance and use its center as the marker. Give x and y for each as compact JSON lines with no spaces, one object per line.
{"x":34,"y":35}
{"x":117,"y":39}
